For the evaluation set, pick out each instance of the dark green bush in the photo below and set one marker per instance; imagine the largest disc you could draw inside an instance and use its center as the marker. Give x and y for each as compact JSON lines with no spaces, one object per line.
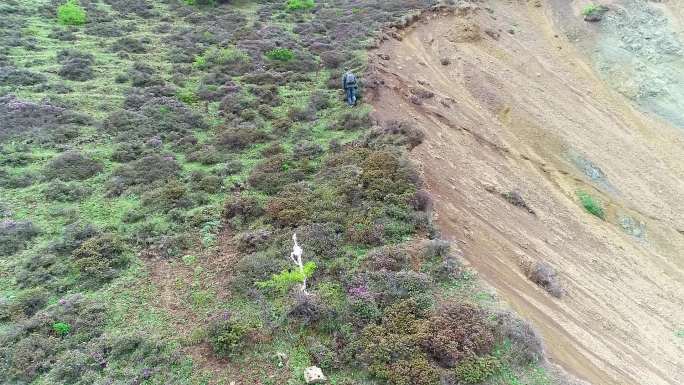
{"x":28,"y":358}
{"x":28,"y":302}
{"x":60,"y":191}
{"x":170,"y":196}
{"x":240,"y":209}
{"x":240,"y":138}
{"x":14,"y":235}
{"x":458,"y":332}
{"x":228,"y":337}
{"x":100,"y":258}
{"x":72,"y":166}
{"x":477,"y":369}
{"x":291,"y":207}
{"x":274,"y":173}
{"x":390,"y":258}
{"x":392,"y":350}
{"x":41,"y":269}
{"x":143,"y":173}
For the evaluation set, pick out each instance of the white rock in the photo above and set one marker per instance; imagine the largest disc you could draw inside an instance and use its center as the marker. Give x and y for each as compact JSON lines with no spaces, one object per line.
{"x":314,"y":375}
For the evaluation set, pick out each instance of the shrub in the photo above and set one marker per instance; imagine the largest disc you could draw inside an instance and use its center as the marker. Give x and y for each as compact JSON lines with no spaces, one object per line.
{"x":170,"y":196}
{"x":280,"y":54}
{"x":477,"y":369}
{"x":75,"y":65}
{"x":227,"y":337}
{"x":100,"y":258}
{"x":242,"y":208}
{"x":71,"y":166}
{"x":526,"y":345}
{"x":240,"y":138}
{"x":392,"y":258}
{"x":271,"y":175}
{"x":29,"y":302}
{"x":30,"y":357}
{"x":295,"y":5}
{"x":74,"y":235}
{"x":394,"y":133}
{"x":544,"y":275}
{"x":458,"y":332}
{"x":389,"y":287}
{"x":514,"y":198}
{"x":130,"y":45}
{"x":60,"y":191}
{"x":392,"y":349}
{"x":307,"y":150}
{"x":61,"y":328}
{"x":308,"y":309}
{"x":143,"y":172}
{"x":353,"y":120}
{"x":383,"y":173}
{"x":252,"y":241}
{"x":14,"y":235}
{"x":291,"y":207}
{"x":41,"y":269}
{"x":71,"y":13}
{"x":590,"y":204}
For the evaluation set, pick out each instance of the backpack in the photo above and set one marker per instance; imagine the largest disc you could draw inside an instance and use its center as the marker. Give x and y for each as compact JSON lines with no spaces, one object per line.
{"x":350,"y":80}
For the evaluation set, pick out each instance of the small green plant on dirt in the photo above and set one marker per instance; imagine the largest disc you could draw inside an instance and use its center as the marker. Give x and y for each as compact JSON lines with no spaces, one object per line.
{"x":227,"y":337}
{"x":477,"y":370}
{"x":285,"y":279}
{"x":280,"y":54}
{"x":590,"y":204}
{"x":71,"y":13}
{"x":187,"y":96}
{"x":295,"y":5}
{"x":590,"y":9}
{"x":200,"y":62}
{"x":61,"y":328}
{"x":680,"y":333}
{"x":593,"y":12}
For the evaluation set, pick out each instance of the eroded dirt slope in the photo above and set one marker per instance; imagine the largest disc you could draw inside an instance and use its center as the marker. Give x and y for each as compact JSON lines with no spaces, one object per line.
{"x":510,"y":103}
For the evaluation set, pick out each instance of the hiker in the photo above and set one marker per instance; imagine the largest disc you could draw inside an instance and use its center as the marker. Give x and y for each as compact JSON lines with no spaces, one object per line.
{"x":350,"y":87}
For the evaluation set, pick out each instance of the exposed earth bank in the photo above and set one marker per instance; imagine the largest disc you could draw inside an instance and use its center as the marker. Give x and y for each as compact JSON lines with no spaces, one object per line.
{"x":526,"y":97}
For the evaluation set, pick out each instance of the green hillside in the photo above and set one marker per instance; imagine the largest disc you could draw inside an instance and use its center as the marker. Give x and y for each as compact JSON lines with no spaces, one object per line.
{"x":156,"y":158}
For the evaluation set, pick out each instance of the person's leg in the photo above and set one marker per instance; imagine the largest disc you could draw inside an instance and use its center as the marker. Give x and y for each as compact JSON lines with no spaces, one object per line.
{"x":350,"y":96}
{"x":354,"y":92}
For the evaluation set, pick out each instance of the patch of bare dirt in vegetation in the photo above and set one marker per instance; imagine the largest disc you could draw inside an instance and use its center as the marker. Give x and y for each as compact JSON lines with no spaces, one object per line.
{"x":174,"y":280}
{"x":510,"y":105}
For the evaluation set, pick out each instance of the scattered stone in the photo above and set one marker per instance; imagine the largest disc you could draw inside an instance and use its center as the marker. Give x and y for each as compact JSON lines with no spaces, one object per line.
{"x":314,"y":375}
{"x":384,"y":56}
{"x":445,"y":61}
{"x":514,"y":198}
{"x":492,"y":33}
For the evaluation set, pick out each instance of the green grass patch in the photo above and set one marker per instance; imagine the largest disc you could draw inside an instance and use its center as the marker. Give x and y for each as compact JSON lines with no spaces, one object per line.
{"x":591,"y":204}
{"x":296,"y":5}
{"x":71,"y":13}
{"x":280,"y":54}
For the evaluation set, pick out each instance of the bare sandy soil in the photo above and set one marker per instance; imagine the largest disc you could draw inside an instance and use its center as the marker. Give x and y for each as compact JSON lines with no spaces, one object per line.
{"x":519,"y":107}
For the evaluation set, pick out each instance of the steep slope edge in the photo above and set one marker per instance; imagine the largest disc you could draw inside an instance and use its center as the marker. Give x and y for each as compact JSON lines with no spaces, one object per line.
{"x":509,"y":105}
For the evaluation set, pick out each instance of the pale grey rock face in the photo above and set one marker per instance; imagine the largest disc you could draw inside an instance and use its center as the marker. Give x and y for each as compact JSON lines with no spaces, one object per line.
{"x":314,"y":375}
